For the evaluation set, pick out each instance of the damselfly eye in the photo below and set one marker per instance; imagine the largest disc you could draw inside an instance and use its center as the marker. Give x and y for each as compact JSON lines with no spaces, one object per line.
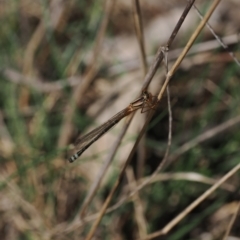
{"x":145,"y":95}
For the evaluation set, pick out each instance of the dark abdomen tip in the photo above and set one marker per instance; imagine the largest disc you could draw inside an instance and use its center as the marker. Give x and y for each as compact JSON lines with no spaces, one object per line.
{"x":73,"y":158}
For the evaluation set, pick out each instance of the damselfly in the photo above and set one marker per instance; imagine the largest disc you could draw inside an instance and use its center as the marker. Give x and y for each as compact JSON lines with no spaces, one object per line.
{"x":145,"y":101}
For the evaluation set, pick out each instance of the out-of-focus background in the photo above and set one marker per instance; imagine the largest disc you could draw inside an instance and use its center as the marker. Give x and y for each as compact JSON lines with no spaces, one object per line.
{"x":61,"y":75}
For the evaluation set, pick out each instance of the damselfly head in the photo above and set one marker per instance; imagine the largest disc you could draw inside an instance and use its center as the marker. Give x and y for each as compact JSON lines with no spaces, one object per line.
{"x":70,"y":152}
{"x":147,"y":95}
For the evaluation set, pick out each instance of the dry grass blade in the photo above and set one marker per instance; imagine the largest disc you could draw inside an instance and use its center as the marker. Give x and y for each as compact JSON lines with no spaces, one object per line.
{"x":187,"y":47}
{"x":173,"y":54}
{"x":138,"y":23}
{"x":139,"y":32}
{"x":220,"y":41}
{"x":138,"y":205}
{"x":205,"y":136}
{"x":177,"y":219}
{"x":160,"y":54}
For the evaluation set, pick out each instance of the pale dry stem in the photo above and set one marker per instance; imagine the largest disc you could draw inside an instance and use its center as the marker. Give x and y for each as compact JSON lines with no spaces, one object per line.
{"x":194,"y":204}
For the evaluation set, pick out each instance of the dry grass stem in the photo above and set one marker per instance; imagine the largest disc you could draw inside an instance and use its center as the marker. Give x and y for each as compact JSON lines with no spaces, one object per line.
{"x":173,"y":54}
{"x":160,"y":55}
{"x":140,"y":37}
{"x":219,"y":40}
{"x":188,"y":46}
{"x":104,"y":168}
{"x":139,"y":33}
{"x":205,"y":136}
{"x":177,"y":219}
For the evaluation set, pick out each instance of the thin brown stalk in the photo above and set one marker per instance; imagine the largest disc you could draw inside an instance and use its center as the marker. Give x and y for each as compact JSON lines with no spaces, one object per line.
{"x":78,"y":95}
{"x":193,"y":205}
{"x":188,"y":46}
{"x":141,"y":157}
{"x":165,"y":158}
{"x":140,"y":37}
{"x":160,"y":55}
{"x":139,"y":32}
{"x":173,"y":54}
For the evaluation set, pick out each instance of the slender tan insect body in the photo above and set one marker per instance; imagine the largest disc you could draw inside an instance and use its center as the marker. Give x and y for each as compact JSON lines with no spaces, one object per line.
{"x":83,"y":143}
